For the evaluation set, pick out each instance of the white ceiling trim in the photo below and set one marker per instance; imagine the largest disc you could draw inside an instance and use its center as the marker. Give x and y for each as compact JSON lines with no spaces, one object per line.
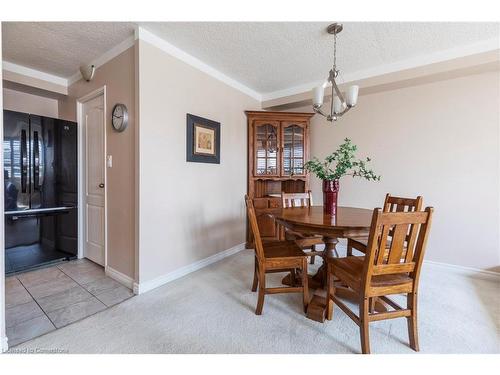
{"x":141,"y":33}
{"x":436,"y":57}
{"x":33,"y":73}
{"x":101,"y":60}
{"x":105,"y":57}
{"x":176,"y":52}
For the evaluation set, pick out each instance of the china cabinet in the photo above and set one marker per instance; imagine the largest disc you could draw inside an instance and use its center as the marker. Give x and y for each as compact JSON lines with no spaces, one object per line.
{"x":278,"y":147}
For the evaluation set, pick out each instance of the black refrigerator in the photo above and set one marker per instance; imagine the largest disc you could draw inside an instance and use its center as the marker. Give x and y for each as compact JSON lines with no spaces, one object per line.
{"x":41,"y":190}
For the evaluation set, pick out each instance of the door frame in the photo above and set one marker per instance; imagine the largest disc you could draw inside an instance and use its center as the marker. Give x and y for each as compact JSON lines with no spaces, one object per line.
{"x":82,"y":162}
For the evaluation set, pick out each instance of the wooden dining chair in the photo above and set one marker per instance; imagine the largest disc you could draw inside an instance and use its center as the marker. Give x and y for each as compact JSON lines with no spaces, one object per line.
{"x":306,"y":242}
{"x":391,"y":204}
{"x":376,"y":275}
{"x":272,"y":257}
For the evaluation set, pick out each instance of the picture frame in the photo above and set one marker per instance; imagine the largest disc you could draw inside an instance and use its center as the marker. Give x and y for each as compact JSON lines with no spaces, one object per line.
{"x":202,"y":140}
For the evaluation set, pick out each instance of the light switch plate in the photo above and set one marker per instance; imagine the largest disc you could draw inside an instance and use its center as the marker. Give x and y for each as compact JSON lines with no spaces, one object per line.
{"x":110,"y":161}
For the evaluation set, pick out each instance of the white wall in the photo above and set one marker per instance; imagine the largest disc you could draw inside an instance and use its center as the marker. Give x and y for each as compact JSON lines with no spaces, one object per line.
{"x":438,"y":140}
{"x":187,"y":211}
{"x":19,"y":101}
{"x":118,"y":75}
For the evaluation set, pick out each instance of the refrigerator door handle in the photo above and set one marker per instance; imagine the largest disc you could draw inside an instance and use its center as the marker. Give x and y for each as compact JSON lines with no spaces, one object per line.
{"x":36,"y":161}
{"x":24,"y":160}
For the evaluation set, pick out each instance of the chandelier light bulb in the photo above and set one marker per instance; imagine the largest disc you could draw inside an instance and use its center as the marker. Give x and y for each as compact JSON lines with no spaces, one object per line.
{"x":319,"y":95}
{"x":337,"y":105}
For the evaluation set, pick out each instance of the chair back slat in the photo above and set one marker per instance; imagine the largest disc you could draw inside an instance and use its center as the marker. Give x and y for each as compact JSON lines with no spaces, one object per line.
{"x":397,"y":243}
{"x":410,"y":243}
{"x":290,"y":200}
{"x":410,"y":228}
{"x":252,"y":218}
{"x":384,"y":234}
{"x":400,"y":204}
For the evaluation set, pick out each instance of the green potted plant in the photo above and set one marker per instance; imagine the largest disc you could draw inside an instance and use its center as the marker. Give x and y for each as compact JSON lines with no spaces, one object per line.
{"x":342,"y":162}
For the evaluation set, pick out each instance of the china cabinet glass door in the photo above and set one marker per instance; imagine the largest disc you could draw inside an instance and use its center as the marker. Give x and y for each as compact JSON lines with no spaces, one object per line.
{"x":293,"y":143}
{"x":266,"y":148}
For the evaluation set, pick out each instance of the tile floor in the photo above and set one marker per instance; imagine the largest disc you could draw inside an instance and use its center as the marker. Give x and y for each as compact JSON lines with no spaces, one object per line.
{"x":43,"y":300}
{"x":20,"y":258}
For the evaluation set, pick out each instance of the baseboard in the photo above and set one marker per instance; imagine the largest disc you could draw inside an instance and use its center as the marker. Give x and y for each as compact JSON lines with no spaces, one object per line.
{"x":120,"y":277}
{"x":447,"y":267}
{"x":464,"y":271}
{"x":146,"y":286}
{"x":3,"y":344}
{"x":183,"y":271}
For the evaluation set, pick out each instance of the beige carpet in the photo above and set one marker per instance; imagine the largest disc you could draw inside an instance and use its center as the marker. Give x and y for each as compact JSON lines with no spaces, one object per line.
{"x":212,"y":311}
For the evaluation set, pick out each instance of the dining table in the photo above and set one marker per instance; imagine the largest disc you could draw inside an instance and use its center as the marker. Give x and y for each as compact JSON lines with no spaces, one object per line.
{"x":312,"y":221}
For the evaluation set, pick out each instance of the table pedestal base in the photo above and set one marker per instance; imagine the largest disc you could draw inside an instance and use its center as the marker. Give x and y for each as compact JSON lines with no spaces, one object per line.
{"x":312,"y":283}
{"x":317,"y":306}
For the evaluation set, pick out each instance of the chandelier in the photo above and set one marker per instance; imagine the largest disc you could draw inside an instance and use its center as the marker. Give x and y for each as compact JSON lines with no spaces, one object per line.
{"x":339,"y":104}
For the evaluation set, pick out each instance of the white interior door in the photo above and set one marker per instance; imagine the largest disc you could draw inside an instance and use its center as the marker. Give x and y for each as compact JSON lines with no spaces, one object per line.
{"x":93,"y":121}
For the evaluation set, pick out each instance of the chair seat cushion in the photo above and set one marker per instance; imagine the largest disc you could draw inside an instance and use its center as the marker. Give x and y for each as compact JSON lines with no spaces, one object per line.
{"x":353,"y":267}
{"x":282,"y":249}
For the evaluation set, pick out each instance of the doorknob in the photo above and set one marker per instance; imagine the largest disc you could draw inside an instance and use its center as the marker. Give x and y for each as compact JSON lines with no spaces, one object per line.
{"x":101,"y":185}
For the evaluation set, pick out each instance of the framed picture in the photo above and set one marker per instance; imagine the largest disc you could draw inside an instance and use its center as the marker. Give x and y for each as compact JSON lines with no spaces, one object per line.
{"x":203,"y":140}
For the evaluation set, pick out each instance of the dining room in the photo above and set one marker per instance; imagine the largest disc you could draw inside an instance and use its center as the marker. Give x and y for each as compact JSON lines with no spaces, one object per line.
{"x":282,"y":187}
{"x":369,"y":206}
{"x":369,"y":190}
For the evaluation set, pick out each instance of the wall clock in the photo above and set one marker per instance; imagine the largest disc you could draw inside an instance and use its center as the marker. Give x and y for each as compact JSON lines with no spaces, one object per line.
{"x":120,"y":117}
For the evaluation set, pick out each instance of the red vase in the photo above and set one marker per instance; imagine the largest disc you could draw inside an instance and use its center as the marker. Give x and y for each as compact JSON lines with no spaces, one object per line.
{"x":330,"y":192}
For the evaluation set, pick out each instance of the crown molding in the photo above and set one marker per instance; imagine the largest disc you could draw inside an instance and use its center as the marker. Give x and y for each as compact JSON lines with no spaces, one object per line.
{"x":105,"y":57}
{"x":294,"y":90}
{"x":176,"y":52}
{"x":33,"y":73}
{"x":487,"y":45}
{"x":65,"y":82}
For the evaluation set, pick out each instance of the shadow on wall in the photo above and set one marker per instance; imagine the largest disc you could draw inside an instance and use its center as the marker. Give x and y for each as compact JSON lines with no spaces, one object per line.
{"x":209,"y":236}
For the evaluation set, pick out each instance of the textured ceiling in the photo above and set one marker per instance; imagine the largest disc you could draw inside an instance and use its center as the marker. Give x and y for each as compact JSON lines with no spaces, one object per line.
{"x":265,"y":56}
{"x":278,"y":55}
{"x":60,"y":47}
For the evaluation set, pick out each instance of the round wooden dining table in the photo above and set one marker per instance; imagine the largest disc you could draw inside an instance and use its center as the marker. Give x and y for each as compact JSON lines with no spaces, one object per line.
{"x":347,"y":222}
